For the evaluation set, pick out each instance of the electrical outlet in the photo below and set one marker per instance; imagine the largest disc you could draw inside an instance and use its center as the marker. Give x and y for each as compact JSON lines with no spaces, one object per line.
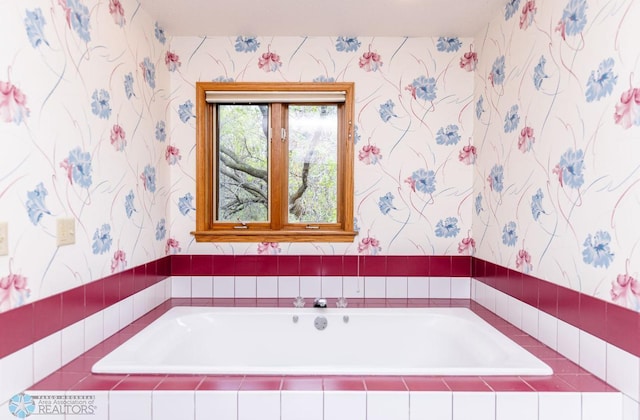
{"x":4,"y":238}
{"x":66,"y":232}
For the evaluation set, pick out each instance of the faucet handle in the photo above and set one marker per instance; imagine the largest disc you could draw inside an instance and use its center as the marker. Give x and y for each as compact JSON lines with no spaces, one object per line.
{"x":320,"y":303}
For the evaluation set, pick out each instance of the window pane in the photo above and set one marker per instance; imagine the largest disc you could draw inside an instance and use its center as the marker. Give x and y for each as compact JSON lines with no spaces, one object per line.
{"x":313,"y":163}
{"x":242,"y":162}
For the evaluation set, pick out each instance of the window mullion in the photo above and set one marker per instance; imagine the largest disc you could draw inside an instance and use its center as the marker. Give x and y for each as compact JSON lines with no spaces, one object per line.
{"x":277,"y":171}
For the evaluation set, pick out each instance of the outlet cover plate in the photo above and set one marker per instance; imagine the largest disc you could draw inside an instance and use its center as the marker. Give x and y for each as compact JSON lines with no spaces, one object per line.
{"x":66,"y":231}
{"x":4,"y":238}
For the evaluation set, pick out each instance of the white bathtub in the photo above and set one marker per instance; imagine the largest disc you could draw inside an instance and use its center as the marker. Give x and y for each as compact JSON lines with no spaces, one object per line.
{"x":258,"y":341}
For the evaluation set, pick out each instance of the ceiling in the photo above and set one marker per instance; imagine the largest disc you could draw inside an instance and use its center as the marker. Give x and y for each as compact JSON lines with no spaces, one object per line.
{"x":413,"y":18}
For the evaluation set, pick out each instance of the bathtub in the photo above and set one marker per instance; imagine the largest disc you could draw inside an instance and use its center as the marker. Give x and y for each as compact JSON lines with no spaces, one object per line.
{"x":292,"y":341}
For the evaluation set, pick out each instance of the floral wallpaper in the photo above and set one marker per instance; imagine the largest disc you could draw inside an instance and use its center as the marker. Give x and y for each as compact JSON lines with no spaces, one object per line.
{"x":414,"y":123}
{"x":557,"y":134}
{"x":83,"y":116}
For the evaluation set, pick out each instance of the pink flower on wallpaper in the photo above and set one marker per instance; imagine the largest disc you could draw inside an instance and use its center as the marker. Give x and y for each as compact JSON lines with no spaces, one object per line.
{"x":172,"y":246}
{"x":119,"y":261}
{"x":172,"y":61}
{"x":14,"y":291}
{"x":523,"y":261}
{"x":558,"y":171}
{"x":528,"y":12}
{"x":628,"y":109}
{"x":369,"y":154}
{"x":369,"y":246}
{"x":269,"y":248}
{"x":13,"y":103}
{"x":67,"y":11}
{"x":269,"y":62}
{"x":118,"y":140}
{"x":117,"y":12}
{"x":625,"y":290}
{"x":370,"y":61}
{"x":526,"y":139}
{"x":469,"y":61}
{"x":467,"y":246}
{"x":172,"y":155}
{"x":468,"y":155}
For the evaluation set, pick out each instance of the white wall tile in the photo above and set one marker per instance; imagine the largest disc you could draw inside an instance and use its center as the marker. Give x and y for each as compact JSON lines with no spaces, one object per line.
{"x":130,"y":405}
{"x":530,"y":320}
{"x":259,"y":405}
{"x":396,"y":288}
{"x":245,"y":287}
{"x":630,"y":408}
{"x":223,"y":286}
{"x":515,"y":312}
{"x":288,"y":286}
{"x":125,"y":307}
{"x":46,"y":356}
{"x":474,"y":406}
{"x":93,"y":330}
{"x":593,"y":354}
{"x":559,"y":406}
{"x":310,"y":286}
{"x":301,"y":405}
{"x":267,"y":286}
{"x":141,"y":303}
{"x":375,"y":287}
{"x":430,"y":405}
{"x":623,"y":371}
{"x":502,"y":304}
{"x":72,"y":342}
{"x":460,"y":288}
{"x":332,"y":286}
{"x":111,"y":320}
{"x":548,"y":329}
{"x":5,"y":414}
{"x":392,"y":405}
{"x":569,"y":341}
{"x":601,"y":405}
{"x":353,"y":287}
{"x":202,"y":286}
{"x":440,"y":287}
{"x":173,"y":405}
{"x":100,"y":410}
{"x":181,"y":286}
{"x":516,"y":405}
{"x":223,"y":403}
{"x":345,"y":405}
{"x":418,"y":287}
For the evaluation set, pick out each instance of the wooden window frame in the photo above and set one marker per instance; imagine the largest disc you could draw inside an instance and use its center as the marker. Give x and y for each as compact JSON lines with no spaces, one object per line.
{"x":276,"y":230}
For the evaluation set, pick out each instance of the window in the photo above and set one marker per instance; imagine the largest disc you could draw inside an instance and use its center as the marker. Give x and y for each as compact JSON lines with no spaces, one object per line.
{"x":274,"y":162}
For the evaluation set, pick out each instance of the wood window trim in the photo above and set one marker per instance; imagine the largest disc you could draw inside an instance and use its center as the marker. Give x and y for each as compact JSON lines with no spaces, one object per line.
{"x":207,"y":231}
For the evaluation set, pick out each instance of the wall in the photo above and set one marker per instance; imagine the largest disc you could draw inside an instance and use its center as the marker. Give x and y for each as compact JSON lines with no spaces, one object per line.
{"x":556,"y":129}
{"x":83,"y":99}
{"x":414,"y":118}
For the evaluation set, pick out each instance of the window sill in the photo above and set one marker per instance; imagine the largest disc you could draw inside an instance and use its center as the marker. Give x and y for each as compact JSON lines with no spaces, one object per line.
{"x":273,"y":236}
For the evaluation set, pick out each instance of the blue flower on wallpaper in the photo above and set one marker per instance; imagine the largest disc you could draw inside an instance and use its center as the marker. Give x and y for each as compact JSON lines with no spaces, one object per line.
{"x":356,"y":134}
{"x":448,"y":44}
{"x":324,"y":79}
{"x":102,"y":239}
{"x":160,"y":35}
{"x":601,"y":83}
{"x":425,"y":88}
{"x":223,"y":79}
{"x":570,"y":168}
{"x":161,"y":131}
{"x":478,"y":204}
{"x":34,"y":23}
{"x":247,"y":44}
{"x":424,"y":181}
{"x":447,"y":228}
{"x":185,"y":204}
{"x":509,"y":236}
{"x":536,"y":204}
{"x":79,"y":18}
{"x":149,"y":178}
{"x":128,"y":85}
{"x":386,"y":110}
{"x":479,"y":107}
{"x":538,"y":73}
{"x":596,"y":249}
{"x":79,"y":166}
{"x":497,"y":71}
{"x":149,"y":72}
{"x":36,"y":208}
{"x":385,"y":203}
{"x":186,"y":111}
{"x":161,"y":230}
{"x":574,"y":17}
{"x":512,"y":119}
{"x":100,"y":105}
{"x":511,"y":8}
{"x":496,"y":178}
{"x":347,"y":44}
{"x":448,"y":136}
{"x":129,"y":207}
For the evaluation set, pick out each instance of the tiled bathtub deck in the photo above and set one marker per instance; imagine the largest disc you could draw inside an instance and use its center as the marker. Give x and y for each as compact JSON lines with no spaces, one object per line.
{"x":565,"y":394}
